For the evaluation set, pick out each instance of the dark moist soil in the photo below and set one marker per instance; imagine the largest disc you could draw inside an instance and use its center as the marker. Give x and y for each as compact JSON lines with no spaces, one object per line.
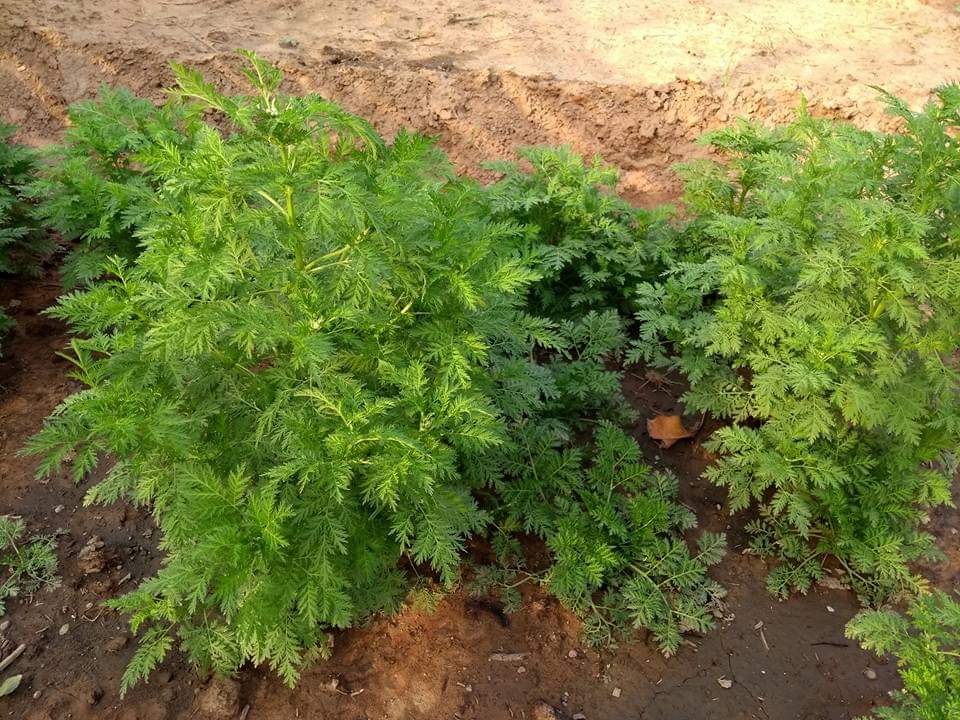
{"x":796,"y":665}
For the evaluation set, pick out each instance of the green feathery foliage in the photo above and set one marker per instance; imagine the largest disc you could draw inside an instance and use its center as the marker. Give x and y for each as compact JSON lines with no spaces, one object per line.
{"x":30,"y":562}
{"x":23,"y":243}
{"x":815,"y":302}
{"x":590,"y":246}
{"x":289,"y":372}
{"x":614,"y":529}
{"x":94,"y":191}
{"x":926,"y":643}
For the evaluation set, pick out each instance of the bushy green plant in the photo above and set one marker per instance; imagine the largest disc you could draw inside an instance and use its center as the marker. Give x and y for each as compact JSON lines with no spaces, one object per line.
{"x":22,"y":241}
{"x":30,"y":562}
{"x":567,"y":474}
{"x":814,"y":301}
{"x":93,"y":191}
{"x":289,"y":372}
{"x":615,"y":532}
{"x":589,"y":245}
{"x":926,"y":644}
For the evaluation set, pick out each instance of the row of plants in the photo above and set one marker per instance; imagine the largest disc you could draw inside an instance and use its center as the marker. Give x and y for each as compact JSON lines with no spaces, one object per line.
{"x":323,"y":360}
{"x":22,"y":241}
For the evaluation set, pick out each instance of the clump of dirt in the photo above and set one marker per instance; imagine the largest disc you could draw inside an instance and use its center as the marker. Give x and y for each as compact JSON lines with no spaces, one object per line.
{"x":643,"y":112}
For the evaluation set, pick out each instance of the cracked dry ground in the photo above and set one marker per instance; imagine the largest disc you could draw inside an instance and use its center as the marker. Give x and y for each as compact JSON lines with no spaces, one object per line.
{"x":633,"y":80}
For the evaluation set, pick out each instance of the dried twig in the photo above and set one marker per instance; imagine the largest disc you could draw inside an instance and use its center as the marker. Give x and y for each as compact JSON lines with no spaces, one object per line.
{"x":8,"y":660}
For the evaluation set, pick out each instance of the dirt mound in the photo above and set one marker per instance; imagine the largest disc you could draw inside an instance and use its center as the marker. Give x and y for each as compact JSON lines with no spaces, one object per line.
{"x":478,"y":114}
{"x":632,"y":80}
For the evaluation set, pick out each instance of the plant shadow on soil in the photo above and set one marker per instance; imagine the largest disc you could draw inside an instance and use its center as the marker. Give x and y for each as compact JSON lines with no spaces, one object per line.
{"x":417,"y":665}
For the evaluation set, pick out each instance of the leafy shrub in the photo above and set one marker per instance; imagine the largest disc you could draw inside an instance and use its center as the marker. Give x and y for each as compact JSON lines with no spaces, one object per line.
{"x":590,"y":246}
{"x":22,"y":242}
{"x":814,"y":301}
{"x":614,"y":529}
{"x":30,"y":563}
{"x":94,"y":192}
{"x":926,"y":643}
{"x":289,"y":372}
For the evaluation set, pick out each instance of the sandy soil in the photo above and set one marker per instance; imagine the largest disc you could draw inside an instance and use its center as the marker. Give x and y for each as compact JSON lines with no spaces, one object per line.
{"x":635,"y":81}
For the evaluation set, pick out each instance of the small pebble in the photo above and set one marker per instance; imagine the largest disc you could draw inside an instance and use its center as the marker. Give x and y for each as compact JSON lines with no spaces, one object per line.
{"x":58,"y":509}
{"x":65,"y":628}
{"x":870,"y":674}
{"x":617,"y":692}
{"x":36,"y":695}
{"x":572,"y":654}
{"x":830,"y":609}
{"x":521,"y":670}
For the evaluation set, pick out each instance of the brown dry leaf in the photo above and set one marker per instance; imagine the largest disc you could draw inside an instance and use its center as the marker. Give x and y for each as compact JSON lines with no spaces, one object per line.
{"x":667,"y":429}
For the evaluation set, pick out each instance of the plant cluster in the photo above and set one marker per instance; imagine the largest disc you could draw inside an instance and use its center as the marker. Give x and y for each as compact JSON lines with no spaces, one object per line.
{"x":306,"y":345}
{"x":589,"y":245}
{"x":615,"y":532}
{"x":567,"y":473}
{"x":22,"y":241}
{"x":814,"y":302}
{"x":93,"y":191}
{"x":289,"y":372}
{"x":30,"y":563}
{"x":325,"y":360}
{"x":926,"y":643}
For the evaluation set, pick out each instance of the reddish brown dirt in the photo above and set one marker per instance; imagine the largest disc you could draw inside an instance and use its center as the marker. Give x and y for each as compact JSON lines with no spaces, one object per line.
{"x":636,"y":81}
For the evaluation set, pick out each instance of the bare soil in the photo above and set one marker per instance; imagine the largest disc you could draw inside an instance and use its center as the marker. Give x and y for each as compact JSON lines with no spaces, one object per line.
{"x":635,"y":81}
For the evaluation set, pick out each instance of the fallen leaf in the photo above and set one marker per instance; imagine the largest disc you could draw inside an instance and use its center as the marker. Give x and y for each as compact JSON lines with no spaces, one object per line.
{"x":667,"y":429}
{"x":10,"y":684}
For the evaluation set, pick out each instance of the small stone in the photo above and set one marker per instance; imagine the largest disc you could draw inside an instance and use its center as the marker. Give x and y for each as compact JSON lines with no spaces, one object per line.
{"x":724,"y":683}
{"x":870,"y":674}
{"x":579,"y":716}
{"x":289,"y":43}
{"x":36,"y":695}
{"x":93,"y":695}
{"x":59,"y":509}
{"x":521,"y":670}
{"x":91,"y":556}
{"x":220,"y":699}
{"x":4,"y":626}
{"x":542,"y":711}
{"x":65,"y":628}
{"x":830,"y":609}
{"x":331,"y":685}
{"x":617,"y":692}
{"x":572,"y":654}
{"x":115,"y":644}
